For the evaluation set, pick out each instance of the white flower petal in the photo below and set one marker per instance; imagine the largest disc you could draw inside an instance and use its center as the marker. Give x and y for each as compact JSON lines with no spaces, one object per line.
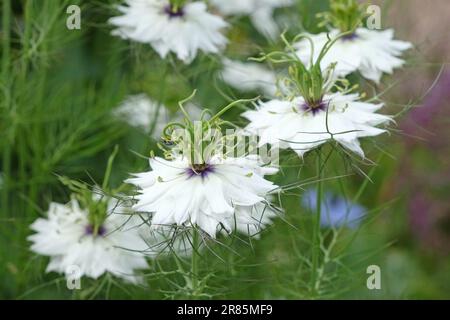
{"x":195,"y":29}
{"x":371,"y":52}
{"x":63,"y":237}
{"x":346,"y":120}
{"x":207,"y":199}
{"x":260,"y":12}
{"x":249,"y":76}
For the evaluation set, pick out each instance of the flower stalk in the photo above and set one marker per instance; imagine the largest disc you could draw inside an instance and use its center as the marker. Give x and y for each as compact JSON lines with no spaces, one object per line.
{"x":316,"y":226}
{"x":194,"y":262}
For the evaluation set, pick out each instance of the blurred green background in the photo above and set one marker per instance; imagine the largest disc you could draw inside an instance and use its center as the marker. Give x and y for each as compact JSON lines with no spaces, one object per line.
{"x":58,"y":90}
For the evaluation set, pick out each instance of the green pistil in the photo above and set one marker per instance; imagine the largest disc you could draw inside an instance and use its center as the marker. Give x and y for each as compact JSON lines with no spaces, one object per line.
{"x":345,"y":15}
{"x":176,"y":5}
{"x":198,"y":140}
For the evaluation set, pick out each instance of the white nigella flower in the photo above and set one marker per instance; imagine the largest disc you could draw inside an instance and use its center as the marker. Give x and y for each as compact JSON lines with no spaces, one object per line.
{"x":249,"y":76}
{"x":370,"y":52}
{"x":210,"y":195}
{"x":142,"y":112}
{"x":260,"y":12}
{"x":183,"y":30}
{"x":70,"y":240}
{"x":295,"y":124}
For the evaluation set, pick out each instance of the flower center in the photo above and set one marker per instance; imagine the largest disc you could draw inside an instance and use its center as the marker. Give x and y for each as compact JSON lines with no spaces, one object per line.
{"x":350,"y":37}
{"x":90,"y":230}
{"x":174,"y":11}
{"x":200,"y":170}
{"x":314,"y":108}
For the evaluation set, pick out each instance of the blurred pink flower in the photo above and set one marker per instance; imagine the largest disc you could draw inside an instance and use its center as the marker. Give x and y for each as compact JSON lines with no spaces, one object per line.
{"x":425,"y":167}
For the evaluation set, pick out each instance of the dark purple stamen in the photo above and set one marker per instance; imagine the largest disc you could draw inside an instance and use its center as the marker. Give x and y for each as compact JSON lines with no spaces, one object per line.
{"x":172,"y":12}
{"x":350,"y":37}
{"x":314,"y":108}
{"x":201,"y":170}
{"x":89,"y":230}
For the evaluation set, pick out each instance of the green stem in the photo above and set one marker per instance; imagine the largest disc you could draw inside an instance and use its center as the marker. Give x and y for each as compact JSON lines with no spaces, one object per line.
{"x":194,"y":262}
{"x":5,"y":75}
{"x":162,"y":91}
{"x":109,"y":167}
{"x":231,"y":105}
{"x":182,"y":102}
{"x":26,"y":38}
{"x":6,"y":35}
{"x":316,"y":231}
{"x":22,"y":132}
{"x":38,"y":155}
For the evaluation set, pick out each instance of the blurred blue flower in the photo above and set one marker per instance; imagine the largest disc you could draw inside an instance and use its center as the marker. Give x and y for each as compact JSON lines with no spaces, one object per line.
{"x":336,"y":211}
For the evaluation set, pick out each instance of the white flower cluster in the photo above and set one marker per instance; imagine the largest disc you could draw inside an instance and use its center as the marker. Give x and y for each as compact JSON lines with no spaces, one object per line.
{"x":190,"y":28}
{"x":220,"y":194}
